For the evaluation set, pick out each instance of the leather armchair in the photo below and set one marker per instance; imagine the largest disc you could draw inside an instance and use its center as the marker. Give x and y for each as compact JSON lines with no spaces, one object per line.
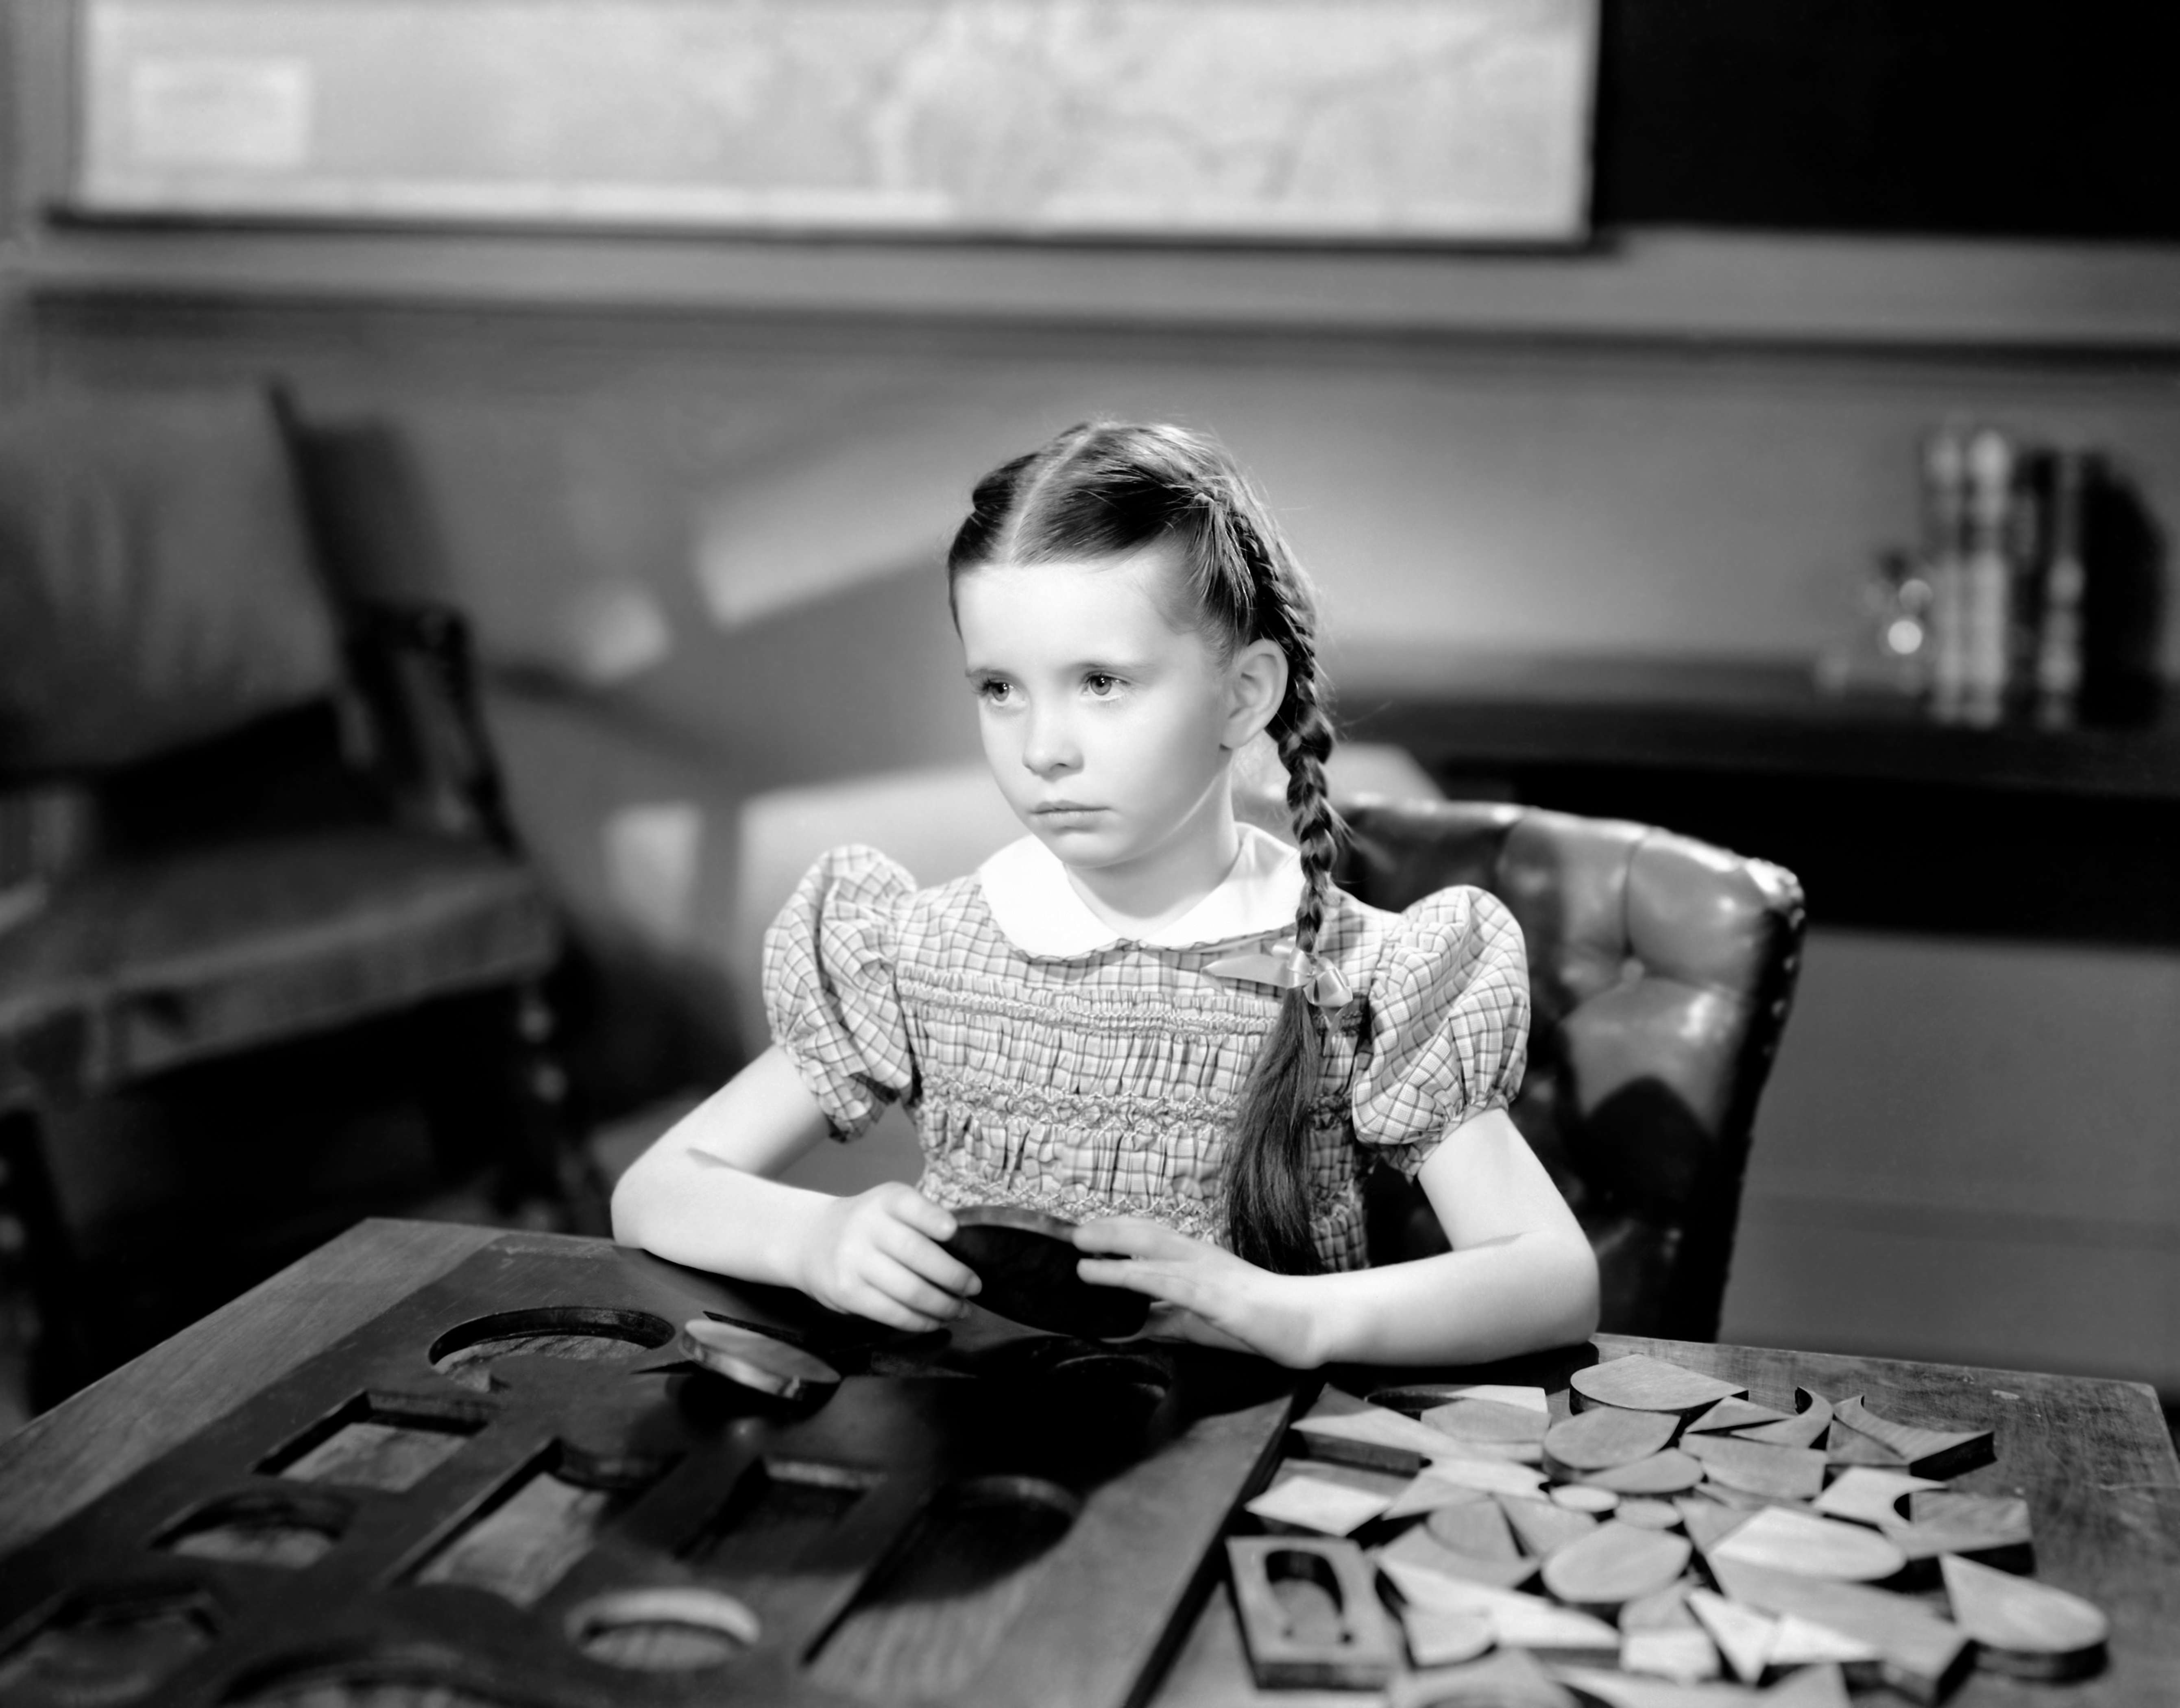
{"x":1661,"y":973}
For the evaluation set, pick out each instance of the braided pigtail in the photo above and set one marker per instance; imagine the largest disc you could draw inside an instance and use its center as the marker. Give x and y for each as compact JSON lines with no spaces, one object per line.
{"x":1106,"y":491}
{"x":1268,"y":1207}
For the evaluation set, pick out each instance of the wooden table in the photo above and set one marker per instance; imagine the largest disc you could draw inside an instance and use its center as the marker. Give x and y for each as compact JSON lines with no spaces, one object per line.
{"x":2093,"y":1457}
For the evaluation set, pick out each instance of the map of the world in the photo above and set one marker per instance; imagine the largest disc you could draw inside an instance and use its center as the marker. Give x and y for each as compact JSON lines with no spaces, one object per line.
{"x":1388,"y":120}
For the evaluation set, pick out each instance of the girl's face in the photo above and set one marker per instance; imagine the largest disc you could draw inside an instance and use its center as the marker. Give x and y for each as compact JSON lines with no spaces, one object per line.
{"x":1109,"y":732}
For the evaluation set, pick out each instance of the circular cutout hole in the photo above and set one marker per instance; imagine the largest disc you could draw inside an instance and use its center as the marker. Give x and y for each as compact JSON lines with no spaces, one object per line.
{"x":586,"y":1333}
{"x":102,"y":1654}
{"x":260,"y":1529}
{"x":1122,"y":1389}
{"x":666,"y":1630}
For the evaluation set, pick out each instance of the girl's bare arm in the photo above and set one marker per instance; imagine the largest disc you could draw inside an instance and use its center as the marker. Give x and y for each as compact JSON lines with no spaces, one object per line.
{"x":702,"y":1195}
{"x":1521,"y":1276}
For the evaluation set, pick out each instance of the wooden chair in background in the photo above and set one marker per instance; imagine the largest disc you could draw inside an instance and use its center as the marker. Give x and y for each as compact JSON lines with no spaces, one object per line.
{"x":288,"y":820}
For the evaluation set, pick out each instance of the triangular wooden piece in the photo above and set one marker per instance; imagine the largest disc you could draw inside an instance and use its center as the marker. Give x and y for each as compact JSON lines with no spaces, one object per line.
{"x":1426,"y":1493}
{"x":1731,"y":1414}
{"x":1544,"y":1527}
{"x":1707,"y":1522}
{"x":1417,"y":1397}
{"x":1311,"y":1503}
{"x":1683,"y":1653}
{"x":1743,"y":1635}
{"x":1475,"y":1528}
{"x":1639,"y":1382}
{"x":1662,"y":1610}
{"x":1811,"y":1687}
{"x":2025,"y":1627}
{"x":1417,"y":1547}
{"x":1869,"y":1494}
{"x":1919,"y":1654}
{"x":1798,"y":1643}
{"x":1511,"y":1678}
{"x":1813,"y":1417}
{"x":1627,"y":1690}
{"x":1851,"y":1446}
{"x":1518,"y":1621}
{"x":1928,"y":1452}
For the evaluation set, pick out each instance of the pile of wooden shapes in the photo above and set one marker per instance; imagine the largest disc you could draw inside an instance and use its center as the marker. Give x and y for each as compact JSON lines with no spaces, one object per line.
{"x":1675,"y":1542}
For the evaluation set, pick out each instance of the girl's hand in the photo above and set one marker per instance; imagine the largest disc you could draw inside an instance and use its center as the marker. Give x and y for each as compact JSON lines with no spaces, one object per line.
{"x":877,"y":1254}
{"x":1208,"y":1294}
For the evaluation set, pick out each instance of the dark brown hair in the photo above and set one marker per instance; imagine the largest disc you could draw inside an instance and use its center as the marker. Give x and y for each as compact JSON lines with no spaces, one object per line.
{"x":1104,"y":491}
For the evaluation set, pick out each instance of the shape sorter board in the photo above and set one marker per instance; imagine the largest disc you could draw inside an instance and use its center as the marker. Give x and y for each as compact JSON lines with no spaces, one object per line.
{"x":504,"y":1490}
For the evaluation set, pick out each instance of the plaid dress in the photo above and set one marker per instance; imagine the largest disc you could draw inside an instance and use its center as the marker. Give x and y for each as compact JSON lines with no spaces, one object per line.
{"x":1106,"y":1081}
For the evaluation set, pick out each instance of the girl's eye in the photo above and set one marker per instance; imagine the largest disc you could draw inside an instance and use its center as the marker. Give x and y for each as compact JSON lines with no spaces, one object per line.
{"x":1102,"y":686}
{"x":993,"y":690}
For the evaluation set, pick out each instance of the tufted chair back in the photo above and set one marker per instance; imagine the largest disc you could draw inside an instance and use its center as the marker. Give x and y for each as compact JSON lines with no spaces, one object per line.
{"x":1660,"y":970}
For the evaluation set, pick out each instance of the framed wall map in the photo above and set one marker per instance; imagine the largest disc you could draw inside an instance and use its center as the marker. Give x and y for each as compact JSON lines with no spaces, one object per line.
{"x":1400,"y":122}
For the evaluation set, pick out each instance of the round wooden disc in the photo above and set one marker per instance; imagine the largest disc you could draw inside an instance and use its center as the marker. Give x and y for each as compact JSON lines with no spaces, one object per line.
{"x":756,"y":1360}
{"x":1585,"y":1497}
{"x":1638,"y":1382}
{"x":1647,"y":1514}
{"x":1025,"y":1260}
{"x":1613,"y":1564}
{"x":1597,"y":1440}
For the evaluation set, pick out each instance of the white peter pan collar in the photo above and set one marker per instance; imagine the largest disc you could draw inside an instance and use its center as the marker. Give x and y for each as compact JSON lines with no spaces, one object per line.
{"x":1026,"y":887}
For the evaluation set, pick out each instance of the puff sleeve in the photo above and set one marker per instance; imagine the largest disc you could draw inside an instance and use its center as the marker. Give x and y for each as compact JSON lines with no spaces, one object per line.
{"x":1449,"y":1024}
{"x":829,"y":985}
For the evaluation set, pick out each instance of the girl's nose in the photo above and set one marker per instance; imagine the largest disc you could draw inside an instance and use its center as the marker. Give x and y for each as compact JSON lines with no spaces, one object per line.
{"x":1048,"y":745}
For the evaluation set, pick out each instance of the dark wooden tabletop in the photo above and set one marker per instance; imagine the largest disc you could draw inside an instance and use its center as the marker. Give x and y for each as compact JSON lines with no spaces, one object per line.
{"x":2093,"y":1457}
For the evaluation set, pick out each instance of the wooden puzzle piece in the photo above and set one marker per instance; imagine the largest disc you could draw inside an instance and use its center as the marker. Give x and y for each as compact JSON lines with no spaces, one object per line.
{"x":1425,"y":1493}
{"x":1684,"y":1654}
{"x":1639,"y":1382}
{"x":1743,"y":1635}
{"x":1488,"y":1420}
{"x":1613,"y":1565}
{"x":1732,"y":1413}
{"x":1310,"y":1615}
{"x":1313,"y":1503}
{"x":1585,"y":1497}
{"x":1851,"y":1446}
{"x":759,"y":1362}
{"x":1919,"y":1653}
{"x":1798,"y":1643}
{"x":1651,"y":1514}
{"x":1707,"y":1522}
{"x":1666,"y":1609}
{"x":1928,"y":1453}
{"x":1418,"y":1547}
{"x":1871,"y":1495}
{"x":1992,"y":1530}
{"x":1517,"y":1621}
{"x":1478,"y":1528}
{"x":1026,"y":1260}
{"x":1793,"y":1474}
{"x":1511,"y":1678}
{"x":1417,"y":1397}
{"x":2024,"y":1628}
{"x":1821,"y":1686}
{"x":1805,"y":1429}
{"x":1671,"y":1472}
{"x":1629,"y":1690}
{"x":1787,"y":1541}
{"x":1544,"y":1527}
{"x":1607,"y":1437}
{"x":1439,"y":1638}
{"x":1482,"y":1476}
{"x":1349,"y":1432}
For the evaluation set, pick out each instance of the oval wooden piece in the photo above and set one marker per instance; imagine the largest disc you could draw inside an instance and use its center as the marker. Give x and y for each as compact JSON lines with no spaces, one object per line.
{"x":1613,"y":1564}
{"x":2025,"y":1627}
{"x":1639,"y":1382}
{"x":1648,"y":1514}
{"x":1585,"y":1497}
{"x":1786,"y":1541}
{"x":1026,"y":1260}
{"x":1597,"y":1440}
{"x":758,"y":1361}
{"x":1671,"y":1472}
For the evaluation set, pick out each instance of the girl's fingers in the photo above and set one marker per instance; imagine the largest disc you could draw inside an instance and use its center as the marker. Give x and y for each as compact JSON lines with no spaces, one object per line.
{"x":908,"y":1205}
{"x":1157,"y":1280}
{"x":941,"y":1268}
{"x":905,"y":1286}
{"x":1130,"y":1236}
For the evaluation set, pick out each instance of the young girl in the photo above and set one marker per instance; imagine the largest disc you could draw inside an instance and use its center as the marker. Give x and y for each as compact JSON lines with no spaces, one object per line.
{"x":1144,"y":1016}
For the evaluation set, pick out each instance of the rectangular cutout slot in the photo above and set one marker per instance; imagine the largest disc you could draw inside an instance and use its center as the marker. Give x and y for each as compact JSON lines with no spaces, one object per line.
{"x":780,"y":1508}
{"x":391,"y":1444}
{"x":542,"y":1521}
{"x":936,"y":1609}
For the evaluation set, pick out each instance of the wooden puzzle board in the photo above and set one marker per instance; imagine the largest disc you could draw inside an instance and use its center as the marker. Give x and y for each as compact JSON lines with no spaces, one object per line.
{"x":492,"y":1489}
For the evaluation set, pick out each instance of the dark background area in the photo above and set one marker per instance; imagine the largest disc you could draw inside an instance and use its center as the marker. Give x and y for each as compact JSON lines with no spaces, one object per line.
{"x":2004,"y":118}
